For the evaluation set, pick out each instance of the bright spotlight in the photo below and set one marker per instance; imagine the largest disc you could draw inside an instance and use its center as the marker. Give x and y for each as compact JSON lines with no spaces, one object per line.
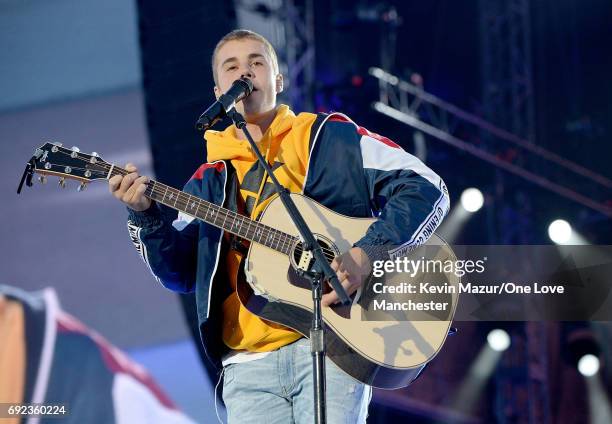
{"x":472,"y":199}
{"x":588,"y":365}
{"x":498,"y":340}
{"x":560,"y":231}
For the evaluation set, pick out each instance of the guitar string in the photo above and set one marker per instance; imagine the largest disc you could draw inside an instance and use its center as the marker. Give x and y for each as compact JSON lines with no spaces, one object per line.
{"x":277,"y":235}
{"x":277,"y":238}
{"x":274,"y":236}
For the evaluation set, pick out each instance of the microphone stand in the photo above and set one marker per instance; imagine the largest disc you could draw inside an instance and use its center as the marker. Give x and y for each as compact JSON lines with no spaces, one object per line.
{"x":321,"y":271}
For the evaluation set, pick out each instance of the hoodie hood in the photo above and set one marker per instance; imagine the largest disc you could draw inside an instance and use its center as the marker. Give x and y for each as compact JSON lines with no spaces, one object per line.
{"x":225,"y":145}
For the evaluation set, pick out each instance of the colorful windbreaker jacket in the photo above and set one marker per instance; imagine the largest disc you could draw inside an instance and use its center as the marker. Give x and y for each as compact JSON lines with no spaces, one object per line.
{"x":350,"y":170}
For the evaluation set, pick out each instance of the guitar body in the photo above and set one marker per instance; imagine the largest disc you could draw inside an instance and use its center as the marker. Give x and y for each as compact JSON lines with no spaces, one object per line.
{"x":386,"y":351}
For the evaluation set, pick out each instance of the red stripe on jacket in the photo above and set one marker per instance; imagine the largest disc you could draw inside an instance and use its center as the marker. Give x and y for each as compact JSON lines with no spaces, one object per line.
{"x":199,"y":174}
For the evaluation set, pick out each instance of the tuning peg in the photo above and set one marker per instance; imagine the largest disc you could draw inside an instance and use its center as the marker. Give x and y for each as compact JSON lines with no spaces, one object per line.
{"x":58,"y":144}
{"x":95,"y":154}
{"x":75,"y":151}
{"x":62,"y":182}
{"x":42,"y":179}
{"x":82,"y":187}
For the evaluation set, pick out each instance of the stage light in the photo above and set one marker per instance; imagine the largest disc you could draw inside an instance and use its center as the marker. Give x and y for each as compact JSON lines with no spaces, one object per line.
{"x":472,"y":199}
{"x":498,"y":340}
{"x":588,"y":365}
{"x":560,"y":231}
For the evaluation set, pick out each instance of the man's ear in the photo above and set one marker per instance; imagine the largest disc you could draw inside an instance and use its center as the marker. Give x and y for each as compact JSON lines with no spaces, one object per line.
{"x":217,"y":92}
{"x":279,"y":83}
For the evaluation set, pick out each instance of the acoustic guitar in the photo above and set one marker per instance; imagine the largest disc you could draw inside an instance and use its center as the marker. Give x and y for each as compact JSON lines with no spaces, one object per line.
{"x":382,"y":338}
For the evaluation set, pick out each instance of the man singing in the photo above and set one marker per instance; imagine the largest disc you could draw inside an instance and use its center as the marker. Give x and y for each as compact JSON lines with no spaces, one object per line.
{"x":267,"y":367}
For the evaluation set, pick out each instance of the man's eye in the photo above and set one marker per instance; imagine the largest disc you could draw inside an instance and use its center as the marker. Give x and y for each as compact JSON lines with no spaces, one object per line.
{"x":257,"y":63}
{"x":231,"y":68}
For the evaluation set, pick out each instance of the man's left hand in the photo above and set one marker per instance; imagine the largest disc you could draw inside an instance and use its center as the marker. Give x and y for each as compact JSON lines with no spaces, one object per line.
{"x":352,"y":268}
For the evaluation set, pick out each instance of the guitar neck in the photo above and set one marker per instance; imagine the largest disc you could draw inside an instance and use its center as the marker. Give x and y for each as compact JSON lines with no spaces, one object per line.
{"x":215,"y":215}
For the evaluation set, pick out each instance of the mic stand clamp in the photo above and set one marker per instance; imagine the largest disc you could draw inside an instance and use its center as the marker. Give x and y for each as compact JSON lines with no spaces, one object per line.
{"x":321,"y":271}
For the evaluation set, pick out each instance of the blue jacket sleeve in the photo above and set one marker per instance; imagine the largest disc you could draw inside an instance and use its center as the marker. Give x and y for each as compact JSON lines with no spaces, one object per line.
{"x":169,"y":248}
{"x":409,"y":199}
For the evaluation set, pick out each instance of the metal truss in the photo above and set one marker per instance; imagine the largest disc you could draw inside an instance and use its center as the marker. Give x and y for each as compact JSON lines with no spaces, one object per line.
{"x":506,"y":66}
{"x":289,"y":26}
{"x":537,"y":373}
{"x":410,"y":104}
{"x":300,"y":53}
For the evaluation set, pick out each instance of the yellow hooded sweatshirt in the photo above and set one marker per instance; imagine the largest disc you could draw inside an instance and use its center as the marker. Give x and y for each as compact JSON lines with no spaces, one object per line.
{"x":285,"y":147}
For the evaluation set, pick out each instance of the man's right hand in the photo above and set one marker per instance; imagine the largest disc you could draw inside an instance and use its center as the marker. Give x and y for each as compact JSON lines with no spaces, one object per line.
{"x":130,"y":189}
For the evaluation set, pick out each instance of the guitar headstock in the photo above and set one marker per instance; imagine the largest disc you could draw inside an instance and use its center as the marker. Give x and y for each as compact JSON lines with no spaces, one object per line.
{"x":53,"y":159}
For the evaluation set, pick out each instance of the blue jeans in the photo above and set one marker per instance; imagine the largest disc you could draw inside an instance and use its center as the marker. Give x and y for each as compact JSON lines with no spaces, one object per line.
{"x":278,"y":389}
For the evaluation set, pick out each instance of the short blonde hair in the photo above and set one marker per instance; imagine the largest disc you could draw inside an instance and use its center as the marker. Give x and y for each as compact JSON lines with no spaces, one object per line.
{"x":241,"y":34}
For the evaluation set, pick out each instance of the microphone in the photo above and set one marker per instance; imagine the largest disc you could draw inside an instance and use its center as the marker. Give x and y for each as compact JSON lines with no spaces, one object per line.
{"x":240,"y":89}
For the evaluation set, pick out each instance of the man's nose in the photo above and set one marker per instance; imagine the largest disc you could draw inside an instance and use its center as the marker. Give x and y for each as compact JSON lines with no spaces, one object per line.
{"x":246,"y":72}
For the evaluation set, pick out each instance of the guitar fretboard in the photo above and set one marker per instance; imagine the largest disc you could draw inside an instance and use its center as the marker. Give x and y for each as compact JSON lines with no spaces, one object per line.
{"x":218,"y":216}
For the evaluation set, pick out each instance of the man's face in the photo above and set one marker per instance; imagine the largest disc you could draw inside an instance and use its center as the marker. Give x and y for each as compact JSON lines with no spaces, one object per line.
{"x":248,"y":58}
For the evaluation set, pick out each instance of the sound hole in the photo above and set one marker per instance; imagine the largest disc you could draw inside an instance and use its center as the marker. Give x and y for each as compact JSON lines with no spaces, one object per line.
{"x":297,"y":280}
{"x":329,"y":250}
